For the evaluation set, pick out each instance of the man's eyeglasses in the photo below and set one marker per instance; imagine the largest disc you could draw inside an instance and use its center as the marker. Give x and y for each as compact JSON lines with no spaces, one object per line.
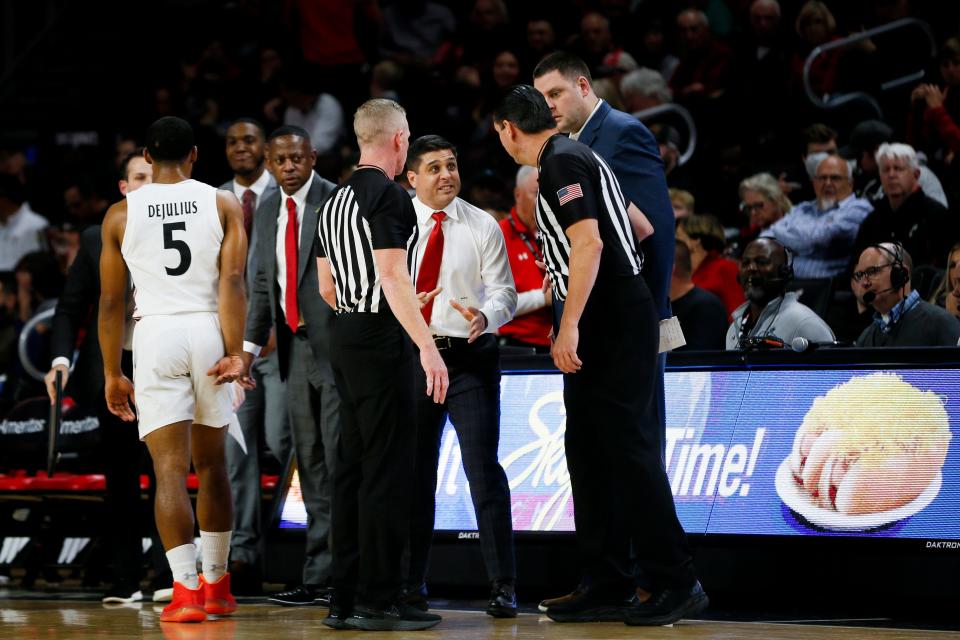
{"x":750,"y":208}
{"x":831,"y":178}
{"x":870,"y":272}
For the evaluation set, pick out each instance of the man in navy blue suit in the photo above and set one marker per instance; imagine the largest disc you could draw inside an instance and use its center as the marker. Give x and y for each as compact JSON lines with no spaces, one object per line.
{"x":634,"y":155}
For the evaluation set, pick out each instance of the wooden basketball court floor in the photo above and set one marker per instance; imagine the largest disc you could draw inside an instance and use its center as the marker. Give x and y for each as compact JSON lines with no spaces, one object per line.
{"x":85,"y":620}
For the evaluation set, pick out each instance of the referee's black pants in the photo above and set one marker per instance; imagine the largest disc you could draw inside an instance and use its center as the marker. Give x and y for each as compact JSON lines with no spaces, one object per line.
{"x":372,"y":362}
{"x":473,"y":404}
{"x":613,"y":444}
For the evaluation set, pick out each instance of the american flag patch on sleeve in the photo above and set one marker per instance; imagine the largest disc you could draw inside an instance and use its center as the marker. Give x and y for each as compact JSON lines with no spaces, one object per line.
{"x":569,"y":192}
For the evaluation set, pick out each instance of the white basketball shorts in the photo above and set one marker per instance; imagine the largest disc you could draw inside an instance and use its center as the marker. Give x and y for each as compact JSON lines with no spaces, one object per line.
{"x":171,"y":357}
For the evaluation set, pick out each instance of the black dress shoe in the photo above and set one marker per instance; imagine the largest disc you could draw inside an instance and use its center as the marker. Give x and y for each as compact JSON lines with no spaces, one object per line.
{"x":549,"y":602}
{"x":668,"y":606}
{"x":341,"y":608}
{"x":503,"y":600}
{"x":416,"y":597}
{"x":397,"y":616}
{"x":594,"y":605}
{"x":303,"y":596}
{"x":245,"y":579}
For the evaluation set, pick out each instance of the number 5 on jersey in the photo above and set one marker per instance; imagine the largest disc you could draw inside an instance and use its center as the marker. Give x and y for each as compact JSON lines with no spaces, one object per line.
{"x":179,"y":245}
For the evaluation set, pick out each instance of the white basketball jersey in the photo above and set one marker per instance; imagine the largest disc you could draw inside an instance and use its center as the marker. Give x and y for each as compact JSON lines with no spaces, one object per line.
{"x":171,"y":245}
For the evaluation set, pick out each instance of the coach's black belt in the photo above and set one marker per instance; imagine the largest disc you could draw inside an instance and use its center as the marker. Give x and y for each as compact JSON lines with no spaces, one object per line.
{"x":448,"y":342}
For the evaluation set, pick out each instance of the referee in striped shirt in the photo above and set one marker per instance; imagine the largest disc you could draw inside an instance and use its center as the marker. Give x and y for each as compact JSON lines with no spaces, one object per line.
{"x":606,"y":345}
{"x":365,"y":228}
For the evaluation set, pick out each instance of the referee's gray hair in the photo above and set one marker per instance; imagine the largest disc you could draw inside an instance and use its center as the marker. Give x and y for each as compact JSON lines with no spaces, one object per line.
{"x":523,"y":173}
{"x":646,"y":83}
{"x":377,"y":117}
{"x":898,"y":151}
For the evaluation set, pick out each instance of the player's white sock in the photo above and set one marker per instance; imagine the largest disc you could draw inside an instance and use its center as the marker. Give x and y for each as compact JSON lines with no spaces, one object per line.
{"x":183,"y":565}
{"x":214,"y":550}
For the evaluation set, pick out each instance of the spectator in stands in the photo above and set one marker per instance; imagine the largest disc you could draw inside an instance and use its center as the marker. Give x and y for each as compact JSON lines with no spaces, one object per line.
{"x":668,"y":140}
{"x":84,"y":203}
{"x":947,"y":294}
{"x":763,"y":74}
{"x":385,"y":80}
{"x":862,"y":147}
{"x":906,"y":215}
{"x":533,"y":320}
{"x":684,"y":204}
{"x":654,"y":52}
{"x":771,"y":312}
{"x":704,"y":237}
{"x":763,"y":202}
{"x":902,"y":319}
{"x":21,"y":230}
{"x":595,"y":40}
{"x":644,"y":89}
{"x":941,"y":107}
{"x":818,"y":142}
{"x":38,"y":282}
{"x":936,"y":121}
{"x":486,"y":32}
{"x":320,"y":114}
{"x":820,"y":233}
{"x":541,"y":40}
{"x":8,"y":324}
{"x":701,"y":314}
{"x":816,"y":26}
{"x":413,"y":32}
{"x":704,"y":67}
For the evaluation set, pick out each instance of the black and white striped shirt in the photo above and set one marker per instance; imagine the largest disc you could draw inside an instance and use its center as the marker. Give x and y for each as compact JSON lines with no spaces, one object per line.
{"x":367,"y":212}
{"x":576,"y":184}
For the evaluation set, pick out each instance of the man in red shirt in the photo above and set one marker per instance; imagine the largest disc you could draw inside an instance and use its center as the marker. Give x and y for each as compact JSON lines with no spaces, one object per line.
{"x":531,"y":324}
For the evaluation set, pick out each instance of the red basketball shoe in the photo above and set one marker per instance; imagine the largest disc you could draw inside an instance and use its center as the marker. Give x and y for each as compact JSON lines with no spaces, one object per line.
{"x":186,"y":606}
{"x":217,"y":598}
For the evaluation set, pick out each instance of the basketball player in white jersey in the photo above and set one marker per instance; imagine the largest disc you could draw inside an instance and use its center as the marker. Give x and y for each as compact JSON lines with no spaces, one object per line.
{"x":185,"y":247}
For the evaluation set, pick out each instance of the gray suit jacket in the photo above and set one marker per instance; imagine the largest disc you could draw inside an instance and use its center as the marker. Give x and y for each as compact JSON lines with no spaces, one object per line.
{"x":263,"y":307}
{"x":252,"y":254}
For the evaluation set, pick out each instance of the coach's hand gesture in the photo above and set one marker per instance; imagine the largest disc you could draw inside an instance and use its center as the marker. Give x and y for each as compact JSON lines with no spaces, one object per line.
{"x":227,"y":369}
{"x":119,"y":392}
{"x":478,"y":321}
{"x":426,"y":296}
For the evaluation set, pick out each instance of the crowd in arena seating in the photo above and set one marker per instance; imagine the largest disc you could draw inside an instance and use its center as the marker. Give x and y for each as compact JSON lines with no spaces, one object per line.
{"x":767,"y":162}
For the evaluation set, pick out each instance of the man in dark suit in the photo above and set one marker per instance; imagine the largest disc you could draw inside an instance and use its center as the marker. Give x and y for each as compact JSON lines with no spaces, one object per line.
{"x":634,"y":155}
{"x":284,"y":297}
{"x":122,"y":450}
{"x":265,"y":405}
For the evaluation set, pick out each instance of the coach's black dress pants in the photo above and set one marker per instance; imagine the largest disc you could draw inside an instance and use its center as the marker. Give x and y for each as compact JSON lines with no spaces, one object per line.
{"x":473,"y":404}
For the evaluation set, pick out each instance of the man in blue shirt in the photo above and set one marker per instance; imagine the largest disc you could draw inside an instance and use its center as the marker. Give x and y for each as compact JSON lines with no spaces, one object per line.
{"x":820,"y":233}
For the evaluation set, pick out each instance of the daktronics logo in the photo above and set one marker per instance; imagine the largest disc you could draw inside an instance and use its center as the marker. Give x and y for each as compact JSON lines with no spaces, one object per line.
{"x":942,"y":544}
{"x":468,"y":535}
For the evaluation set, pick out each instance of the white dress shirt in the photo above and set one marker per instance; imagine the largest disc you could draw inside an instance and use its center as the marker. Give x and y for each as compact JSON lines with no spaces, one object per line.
{"x":21,"y":234}
{"x":300,"y":198}
{"x":257,"y":187}
{"x":576,"y":136}
{"x":474,"y":268}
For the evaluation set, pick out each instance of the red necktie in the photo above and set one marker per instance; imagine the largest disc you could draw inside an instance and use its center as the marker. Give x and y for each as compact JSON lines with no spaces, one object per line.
{"x":292,"y":244}
{"x":429,"y":273}
{"x":248,"y":197}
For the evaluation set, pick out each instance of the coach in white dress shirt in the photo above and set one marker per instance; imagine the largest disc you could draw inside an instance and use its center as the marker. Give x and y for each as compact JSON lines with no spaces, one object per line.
{"x":459,"y":250}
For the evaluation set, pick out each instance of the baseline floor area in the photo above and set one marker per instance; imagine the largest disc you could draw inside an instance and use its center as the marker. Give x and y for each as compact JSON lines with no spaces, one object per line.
{"x":82,"y":620}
